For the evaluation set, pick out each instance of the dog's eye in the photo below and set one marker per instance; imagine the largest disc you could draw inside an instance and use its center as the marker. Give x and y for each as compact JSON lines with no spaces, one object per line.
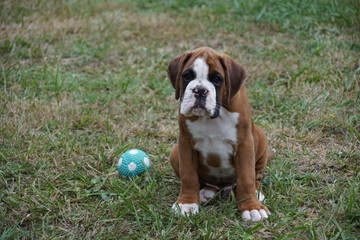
{"x":217,"y":80}
{"x":188,"y":76}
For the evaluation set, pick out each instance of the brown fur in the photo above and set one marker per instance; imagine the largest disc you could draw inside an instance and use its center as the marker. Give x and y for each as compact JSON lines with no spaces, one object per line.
{"x":251,"y":149}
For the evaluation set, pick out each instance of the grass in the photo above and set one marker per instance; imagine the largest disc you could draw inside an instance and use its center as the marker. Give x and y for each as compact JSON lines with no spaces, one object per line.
{"x":82,"y":81}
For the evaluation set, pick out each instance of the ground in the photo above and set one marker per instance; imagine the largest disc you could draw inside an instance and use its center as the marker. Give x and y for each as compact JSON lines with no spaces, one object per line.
{"x":83,"y":81}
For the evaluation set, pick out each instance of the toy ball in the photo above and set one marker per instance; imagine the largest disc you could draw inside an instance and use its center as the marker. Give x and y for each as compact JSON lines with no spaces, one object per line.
{"x":133,"y":163}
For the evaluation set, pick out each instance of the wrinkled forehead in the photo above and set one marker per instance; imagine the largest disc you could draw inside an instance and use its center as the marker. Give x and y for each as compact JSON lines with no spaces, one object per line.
{"x":205,"y":64}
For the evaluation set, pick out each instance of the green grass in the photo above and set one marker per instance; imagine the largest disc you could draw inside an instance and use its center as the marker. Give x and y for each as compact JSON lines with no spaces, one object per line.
{"x":82,"y":81}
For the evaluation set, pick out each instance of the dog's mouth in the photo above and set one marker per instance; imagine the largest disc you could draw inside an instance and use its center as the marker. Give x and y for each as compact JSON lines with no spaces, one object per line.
{"x":199,"y":111}
{"x":200,"y":103}
{"x":199,"y":108}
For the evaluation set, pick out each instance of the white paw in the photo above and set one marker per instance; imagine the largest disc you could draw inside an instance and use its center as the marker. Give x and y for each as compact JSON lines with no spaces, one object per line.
{"x":255,"y":215}
{"x":186,"y":208}
{"x":260,"y":196}
{"x":206,"y":195}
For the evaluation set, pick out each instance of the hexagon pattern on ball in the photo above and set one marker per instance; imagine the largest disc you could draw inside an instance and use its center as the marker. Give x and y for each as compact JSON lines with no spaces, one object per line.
{"x":133,"y":163}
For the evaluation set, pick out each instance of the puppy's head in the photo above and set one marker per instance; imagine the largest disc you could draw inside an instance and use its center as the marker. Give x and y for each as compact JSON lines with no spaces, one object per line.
{"x":204,"y":80}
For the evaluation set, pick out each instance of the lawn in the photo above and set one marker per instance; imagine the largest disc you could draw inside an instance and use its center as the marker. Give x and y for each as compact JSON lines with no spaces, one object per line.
{"x":83,"y":81}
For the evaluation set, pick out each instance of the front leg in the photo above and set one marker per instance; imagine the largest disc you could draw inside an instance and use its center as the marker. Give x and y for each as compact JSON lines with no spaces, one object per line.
{"x":249,"y":205}
{"x":188,"y":199}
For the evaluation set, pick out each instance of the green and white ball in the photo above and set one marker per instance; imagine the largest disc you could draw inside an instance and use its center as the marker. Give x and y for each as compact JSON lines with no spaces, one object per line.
{"x":133,"y":163}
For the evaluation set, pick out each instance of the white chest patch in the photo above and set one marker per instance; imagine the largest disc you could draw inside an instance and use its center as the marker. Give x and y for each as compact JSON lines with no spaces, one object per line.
{"x":216,"y":136}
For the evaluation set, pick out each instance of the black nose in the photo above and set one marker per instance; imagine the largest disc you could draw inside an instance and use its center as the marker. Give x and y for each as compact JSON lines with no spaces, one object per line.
{"x":200,"y":92}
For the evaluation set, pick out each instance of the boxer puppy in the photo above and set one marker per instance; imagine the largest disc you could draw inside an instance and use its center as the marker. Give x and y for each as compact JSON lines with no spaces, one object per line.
{"x":219,"y":146}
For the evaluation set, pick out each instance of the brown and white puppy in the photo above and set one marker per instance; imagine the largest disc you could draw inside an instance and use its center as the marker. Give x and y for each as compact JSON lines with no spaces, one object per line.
{"x":219,"y":145}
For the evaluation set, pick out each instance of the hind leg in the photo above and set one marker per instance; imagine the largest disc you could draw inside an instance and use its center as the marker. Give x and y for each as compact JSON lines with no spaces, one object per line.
{"x":259,"y":174}
{"x":174,"y":159}
{"x":207,"y":193}
{"x":259,"y":169}
{"x":261,"y":154}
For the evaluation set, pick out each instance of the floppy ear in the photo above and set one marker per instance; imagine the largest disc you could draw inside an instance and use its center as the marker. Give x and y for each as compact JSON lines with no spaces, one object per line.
{"x":234,"y":76}
{"x":174,"y":71}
